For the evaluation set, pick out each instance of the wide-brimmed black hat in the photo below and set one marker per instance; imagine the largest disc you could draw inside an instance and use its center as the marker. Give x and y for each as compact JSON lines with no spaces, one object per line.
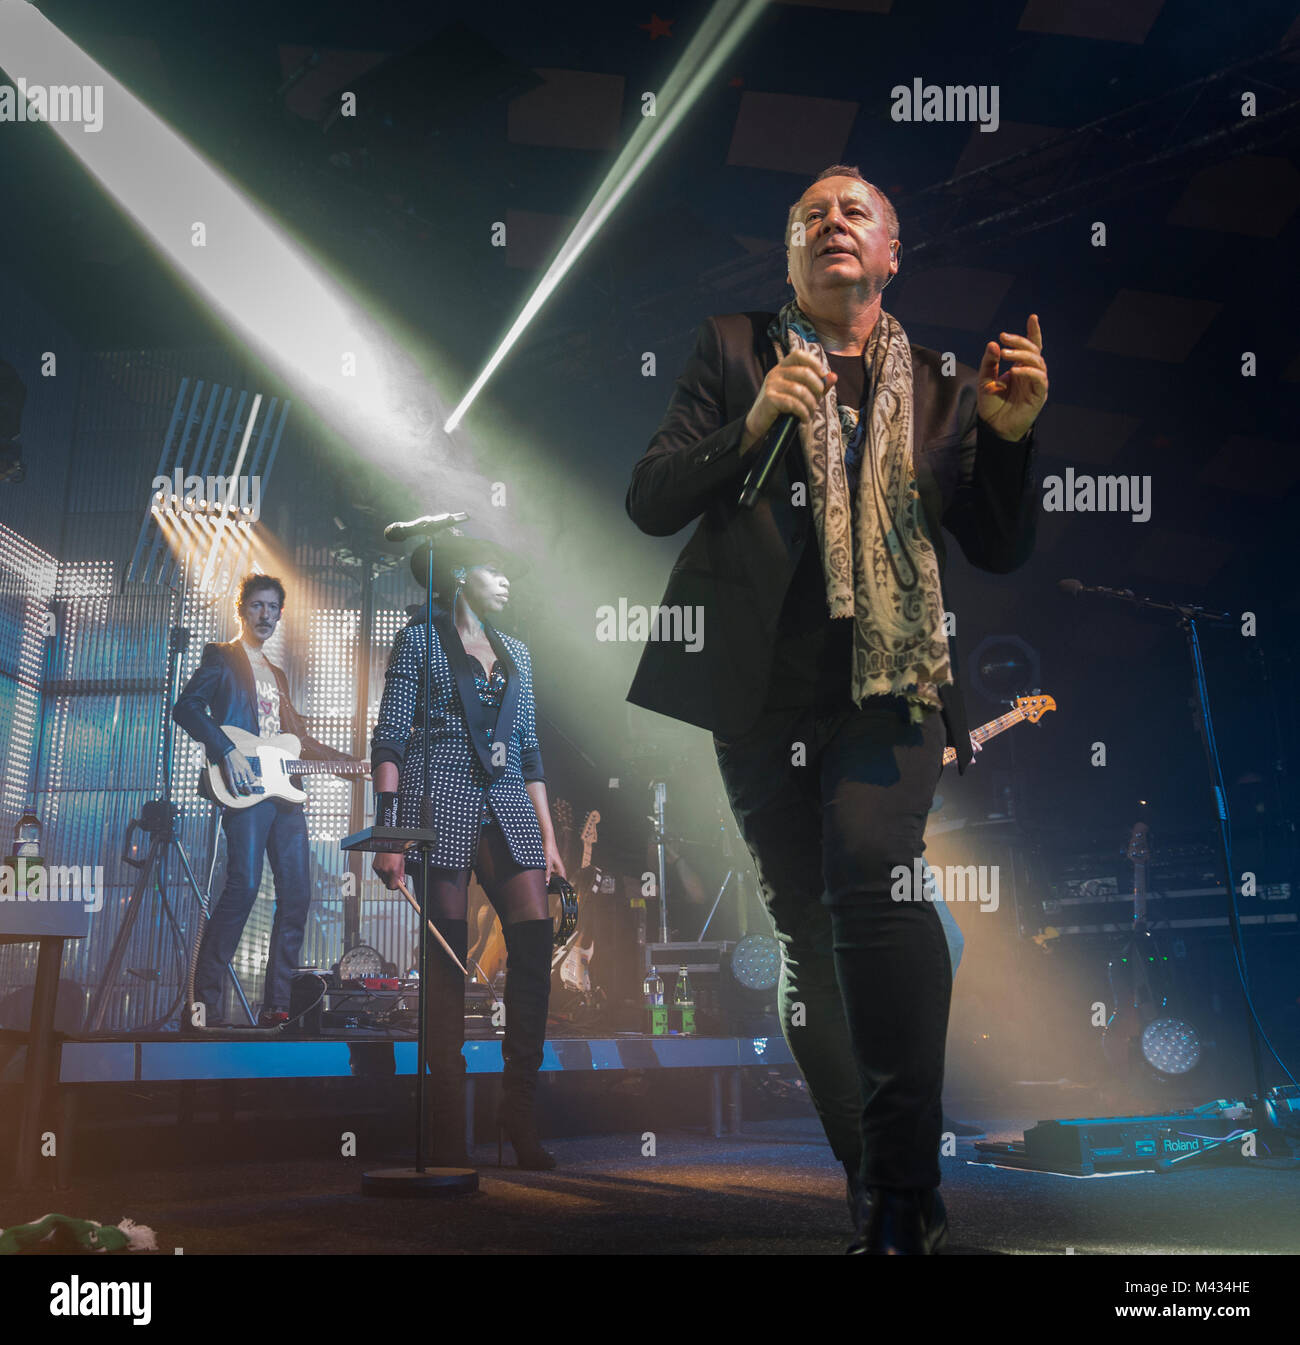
{"x":458,"y":548}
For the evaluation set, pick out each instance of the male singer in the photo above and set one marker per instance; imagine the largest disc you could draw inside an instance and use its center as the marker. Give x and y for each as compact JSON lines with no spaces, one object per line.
{"x":826,"y":675}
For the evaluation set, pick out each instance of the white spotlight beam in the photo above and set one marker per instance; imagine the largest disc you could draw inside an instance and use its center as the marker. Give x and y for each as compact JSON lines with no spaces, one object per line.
{"x":279,"y":302}
{"x":722,"y":31}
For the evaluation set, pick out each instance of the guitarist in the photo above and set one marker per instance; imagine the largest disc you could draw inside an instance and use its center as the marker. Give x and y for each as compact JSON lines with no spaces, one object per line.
{"x":237,"y":684}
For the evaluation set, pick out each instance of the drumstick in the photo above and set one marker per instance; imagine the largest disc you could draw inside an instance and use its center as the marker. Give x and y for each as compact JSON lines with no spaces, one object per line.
{"x":406,"y":892}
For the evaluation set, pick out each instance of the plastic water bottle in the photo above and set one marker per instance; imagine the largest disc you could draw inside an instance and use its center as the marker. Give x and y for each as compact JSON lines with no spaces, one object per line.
{"x":654,"y":989}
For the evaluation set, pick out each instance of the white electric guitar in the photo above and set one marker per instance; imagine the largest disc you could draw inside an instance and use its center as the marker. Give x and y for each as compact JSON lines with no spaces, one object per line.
{"x":274,"y":761}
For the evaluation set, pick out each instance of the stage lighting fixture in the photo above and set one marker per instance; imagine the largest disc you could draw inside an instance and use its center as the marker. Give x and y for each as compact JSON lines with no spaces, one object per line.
{"x":742,"y":1000}
{"x":756,"y":962}
{"x":27,"y":838}
{"x":1171,"y":1046}
{"x":359,"y":962}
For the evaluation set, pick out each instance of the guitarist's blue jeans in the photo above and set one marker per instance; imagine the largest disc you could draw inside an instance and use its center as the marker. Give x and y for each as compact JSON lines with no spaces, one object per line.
{"x":865,"y":979}
{"x":277,"y":830}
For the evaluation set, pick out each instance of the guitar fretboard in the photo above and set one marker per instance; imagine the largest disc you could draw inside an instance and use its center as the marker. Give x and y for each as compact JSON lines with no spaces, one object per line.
{"x":325,"y":767}
{"x":986,"y":731}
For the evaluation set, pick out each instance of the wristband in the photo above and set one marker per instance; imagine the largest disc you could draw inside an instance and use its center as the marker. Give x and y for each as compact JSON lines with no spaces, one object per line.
{"x":386,"y":809}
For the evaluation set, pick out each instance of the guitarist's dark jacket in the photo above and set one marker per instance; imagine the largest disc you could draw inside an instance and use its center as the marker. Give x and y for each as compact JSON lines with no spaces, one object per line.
{"x":221,"y":690}
{"x":738,"y":563}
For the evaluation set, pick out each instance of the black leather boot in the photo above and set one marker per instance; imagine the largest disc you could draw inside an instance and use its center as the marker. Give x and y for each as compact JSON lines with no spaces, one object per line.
{"x":900,"y":1223}
{"x":444,"y":1019}
{"x":528,"y":992}
{"x":853,"y":1194}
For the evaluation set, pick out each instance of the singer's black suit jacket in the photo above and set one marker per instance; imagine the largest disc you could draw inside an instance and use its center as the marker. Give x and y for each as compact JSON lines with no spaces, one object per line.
{"x":738,"y":563}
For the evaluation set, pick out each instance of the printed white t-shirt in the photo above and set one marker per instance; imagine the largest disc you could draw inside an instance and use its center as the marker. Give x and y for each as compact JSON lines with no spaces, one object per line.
{"x":268,"y":708}
{"x":268,"y":697}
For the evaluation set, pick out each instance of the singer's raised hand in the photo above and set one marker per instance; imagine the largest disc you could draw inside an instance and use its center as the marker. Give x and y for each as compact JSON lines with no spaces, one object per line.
{"x":791,"y":388}
{"x":1009,"y":403}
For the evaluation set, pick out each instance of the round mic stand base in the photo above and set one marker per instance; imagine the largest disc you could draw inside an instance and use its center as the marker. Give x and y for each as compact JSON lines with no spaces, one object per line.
{"x":430,"y":1183}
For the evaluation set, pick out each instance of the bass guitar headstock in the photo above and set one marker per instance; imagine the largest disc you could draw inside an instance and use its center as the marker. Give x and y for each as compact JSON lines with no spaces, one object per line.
{"x":1139,"y":844}
{"x":1034,"y":707}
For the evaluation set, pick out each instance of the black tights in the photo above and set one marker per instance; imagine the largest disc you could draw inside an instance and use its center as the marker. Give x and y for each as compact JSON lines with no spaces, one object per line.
{"x":516,"y":894}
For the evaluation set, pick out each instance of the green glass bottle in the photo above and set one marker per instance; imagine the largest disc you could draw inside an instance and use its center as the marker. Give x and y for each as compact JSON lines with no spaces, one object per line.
{"x":683,"y":996}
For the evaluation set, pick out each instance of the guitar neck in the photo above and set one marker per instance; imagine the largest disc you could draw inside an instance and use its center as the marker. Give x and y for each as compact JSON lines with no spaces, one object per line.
{"x":1139,"y":851}
{"x":326,"y":767}
{"x":987,"y":731}
{"x":1140,"y":891}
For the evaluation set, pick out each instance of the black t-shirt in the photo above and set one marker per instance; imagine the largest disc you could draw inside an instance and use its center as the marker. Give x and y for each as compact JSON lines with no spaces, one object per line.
{"x":813,"y":654}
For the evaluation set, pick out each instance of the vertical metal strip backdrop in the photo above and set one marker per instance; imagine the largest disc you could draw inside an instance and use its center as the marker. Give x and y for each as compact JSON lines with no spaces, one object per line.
{"x":320,"y":649}
{"x":107,"y":760}
{"x":102,"y":752}
{"x":26,"y":583}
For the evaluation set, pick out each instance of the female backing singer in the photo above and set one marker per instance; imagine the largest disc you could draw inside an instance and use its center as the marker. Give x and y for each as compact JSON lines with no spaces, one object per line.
{"x":490,"y":812}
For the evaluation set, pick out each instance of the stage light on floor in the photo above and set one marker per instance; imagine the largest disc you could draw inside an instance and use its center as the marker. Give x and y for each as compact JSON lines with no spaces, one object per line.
{"x":1171,"y":1046}
{"x":756,"y":962}
{"x":739,"y":997}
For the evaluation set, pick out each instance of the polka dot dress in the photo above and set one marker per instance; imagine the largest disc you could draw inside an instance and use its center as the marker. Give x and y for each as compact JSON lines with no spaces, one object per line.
{"x":465,"y":789}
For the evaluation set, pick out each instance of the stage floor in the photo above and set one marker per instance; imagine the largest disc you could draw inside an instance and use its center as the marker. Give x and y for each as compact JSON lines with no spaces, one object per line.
{"x":775,"y":1189}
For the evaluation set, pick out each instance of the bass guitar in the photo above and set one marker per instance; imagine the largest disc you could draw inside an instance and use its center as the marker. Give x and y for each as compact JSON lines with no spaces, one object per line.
{"x":1030,"y":708}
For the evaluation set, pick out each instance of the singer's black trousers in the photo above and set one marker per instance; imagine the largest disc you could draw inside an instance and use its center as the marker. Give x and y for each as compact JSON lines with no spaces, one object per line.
{"x":829,"y":804}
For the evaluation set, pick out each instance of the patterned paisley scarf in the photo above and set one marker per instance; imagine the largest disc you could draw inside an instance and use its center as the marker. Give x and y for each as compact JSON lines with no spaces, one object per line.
{"x":881,"y":568}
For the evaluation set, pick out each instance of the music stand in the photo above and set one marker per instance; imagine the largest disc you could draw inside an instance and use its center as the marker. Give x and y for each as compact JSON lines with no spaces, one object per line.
{"x":417,"y":1181}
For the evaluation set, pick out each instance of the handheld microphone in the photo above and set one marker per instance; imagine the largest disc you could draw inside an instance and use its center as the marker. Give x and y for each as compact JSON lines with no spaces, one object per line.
{"x":780,"y":436}
{"x":779,"y":439}
{"x":422,"y":527}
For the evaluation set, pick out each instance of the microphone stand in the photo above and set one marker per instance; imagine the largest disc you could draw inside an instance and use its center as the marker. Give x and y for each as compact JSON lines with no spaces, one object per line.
{"x":1188,"y":614}
{"x":426,"y":821}
{"x":419,"y":1180}
{"x":659,"y":789}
